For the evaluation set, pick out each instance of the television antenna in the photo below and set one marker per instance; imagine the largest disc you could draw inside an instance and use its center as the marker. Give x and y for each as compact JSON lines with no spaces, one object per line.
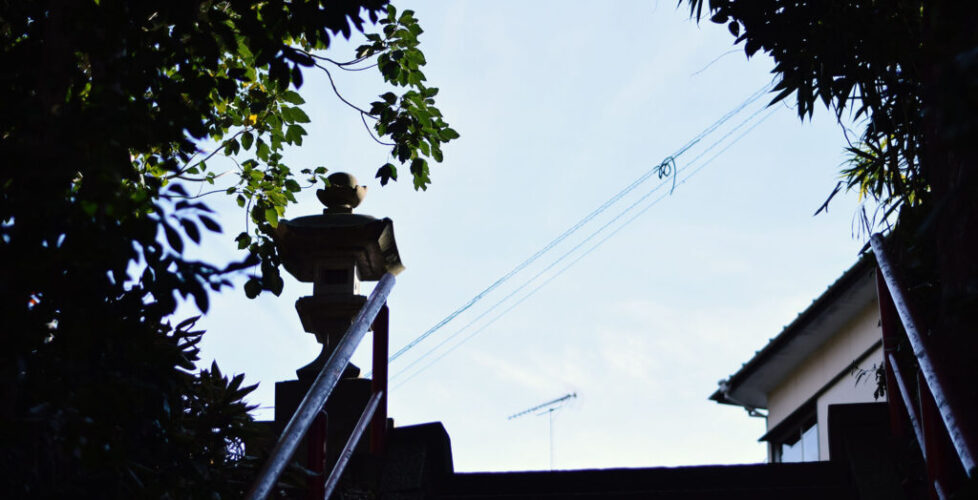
{"x":548,"y":409}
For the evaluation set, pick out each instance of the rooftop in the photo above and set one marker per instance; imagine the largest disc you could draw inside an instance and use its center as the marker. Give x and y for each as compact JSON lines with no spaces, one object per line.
{"x":849,"y":294}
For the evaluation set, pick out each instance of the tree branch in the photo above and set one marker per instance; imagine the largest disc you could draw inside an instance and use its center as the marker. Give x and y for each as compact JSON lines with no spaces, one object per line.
{"x":211,"y":155}
{"x":343,"y":65}
{"x":371,"y":133}
{"x":337,"y":92}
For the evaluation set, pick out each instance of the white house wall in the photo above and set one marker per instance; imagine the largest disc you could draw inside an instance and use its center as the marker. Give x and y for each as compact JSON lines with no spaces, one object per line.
{"x":828,"y":361}
{"x":848,"y":389}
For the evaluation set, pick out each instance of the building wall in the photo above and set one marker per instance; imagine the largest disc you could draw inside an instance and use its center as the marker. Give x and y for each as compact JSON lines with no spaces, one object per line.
{"x":848,"y":389}
{"x":833,"y":358}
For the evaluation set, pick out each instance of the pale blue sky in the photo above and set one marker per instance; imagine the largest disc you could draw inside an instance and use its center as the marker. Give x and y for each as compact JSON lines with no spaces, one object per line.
{"x":560,"y":105}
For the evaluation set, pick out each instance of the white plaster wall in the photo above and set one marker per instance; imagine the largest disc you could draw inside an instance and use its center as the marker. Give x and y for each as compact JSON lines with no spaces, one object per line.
{"x":848,"y":389}
{"x":831,"y":359}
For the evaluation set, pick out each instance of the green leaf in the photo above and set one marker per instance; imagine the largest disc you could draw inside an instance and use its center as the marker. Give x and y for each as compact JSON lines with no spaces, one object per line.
{"x":209,"y":223}
{"x":262,"y":151}
{"x":173,"y":238}
{"x":271,"y":215}
{"x":231,"y":147}
{"x":386,"y":173}
{"x":294,"y":134}
{"x":297,"y":76}
{"x":246,"y":140}
{"x":89,"y":207}
{"x":191,"y":229}
{"x":243,"y":240}
{"x":734,"y":28}
{"x":299,"y":116}
{"x":419,"y":168}
{"x":286,"y":114}
{"x":292,"y":97}
{"x":272,"y":280}
{"x":252,"y":288}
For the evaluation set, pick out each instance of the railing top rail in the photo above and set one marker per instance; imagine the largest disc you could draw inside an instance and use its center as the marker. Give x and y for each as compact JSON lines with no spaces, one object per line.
{"x":934,"y":378}
{"x":320,"y":390}
{"x":351,"y":444}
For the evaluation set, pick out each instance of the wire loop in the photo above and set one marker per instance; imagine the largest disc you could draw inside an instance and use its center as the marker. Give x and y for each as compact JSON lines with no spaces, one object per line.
{"x":667,"y":168}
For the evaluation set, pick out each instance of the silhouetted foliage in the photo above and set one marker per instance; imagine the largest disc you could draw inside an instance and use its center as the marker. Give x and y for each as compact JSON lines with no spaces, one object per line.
{"x":909,"y":70}
{"x":105,"y":107}
{"x":856,"y":57}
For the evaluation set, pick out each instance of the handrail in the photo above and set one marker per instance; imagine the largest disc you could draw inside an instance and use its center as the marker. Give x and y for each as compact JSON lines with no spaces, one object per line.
{"x":320,"y":390}
{"x":934,"y":378}
{"x":351,"y":444}
{"x":907,"y":402}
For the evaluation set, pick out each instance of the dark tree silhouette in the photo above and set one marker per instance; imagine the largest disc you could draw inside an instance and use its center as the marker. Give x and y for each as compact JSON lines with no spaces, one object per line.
{"x":909,"y":68}
{"x":105,"y":104}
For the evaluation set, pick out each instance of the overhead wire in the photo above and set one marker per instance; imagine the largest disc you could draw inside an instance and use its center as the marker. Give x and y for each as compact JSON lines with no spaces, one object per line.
{"x":575,"y":261}
{"x":585,"y":240}
{"x":580,"y":223}
{"x":575,"y":247}
{"x":635,"y":216}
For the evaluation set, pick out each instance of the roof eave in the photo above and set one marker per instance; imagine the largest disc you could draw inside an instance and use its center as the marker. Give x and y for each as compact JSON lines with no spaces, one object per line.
{"x":845,"y":283}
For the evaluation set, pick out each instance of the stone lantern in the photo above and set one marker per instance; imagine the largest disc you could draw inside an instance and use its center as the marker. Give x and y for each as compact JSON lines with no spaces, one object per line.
{"x":335,"y":251}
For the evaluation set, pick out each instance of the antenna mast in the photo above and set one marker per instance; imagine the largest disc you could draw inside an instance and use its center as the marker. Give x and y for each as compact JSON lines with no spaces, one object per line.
{"x":549,"y":407}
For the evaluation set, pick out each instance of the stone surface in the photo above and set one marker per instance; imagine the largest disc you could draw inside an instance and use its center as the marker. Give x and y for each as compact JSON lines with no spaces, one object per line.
{"x":342,"y":194}
{"x":306,"y":241}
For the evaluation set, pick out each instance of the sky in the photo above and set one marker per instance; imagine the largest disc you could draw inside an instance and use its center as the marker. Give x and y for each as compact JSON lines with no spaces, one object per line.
{"x":560,"y":105}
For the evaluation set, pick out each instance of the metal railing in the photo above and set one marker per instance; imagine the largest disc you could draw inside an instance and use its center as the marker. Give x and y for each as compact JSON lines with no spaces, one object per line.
{"x":316,"y":397}
{"x":935,"y":382}
{"x":351,"y":444}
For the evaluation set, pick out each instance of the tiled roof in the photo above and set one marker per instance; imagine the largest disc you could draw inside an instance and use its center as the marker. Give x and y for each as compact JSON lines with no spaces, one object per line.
{"x":796,"y":339}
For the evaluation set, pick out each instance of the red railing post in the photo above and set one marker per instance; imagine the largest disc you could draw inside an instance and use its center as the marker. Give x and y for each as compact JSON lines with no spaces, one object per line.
{"x":378,"y":427}
{"x":316,"y":456}
{"x":947,"y":436}
{"x":889,"y":323}
{"x":312,"y":403}
{"x":932,"y":426}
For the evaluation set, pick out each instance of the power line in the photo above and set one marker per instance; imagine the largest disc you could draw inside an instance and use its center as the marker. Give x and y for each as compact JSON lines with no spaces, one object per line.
{"x":580,"y":244}
{"x":527,"y":282}
{"x":691,"y":174}
{"x":582,"y":255}
{"x":604,"y":206}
